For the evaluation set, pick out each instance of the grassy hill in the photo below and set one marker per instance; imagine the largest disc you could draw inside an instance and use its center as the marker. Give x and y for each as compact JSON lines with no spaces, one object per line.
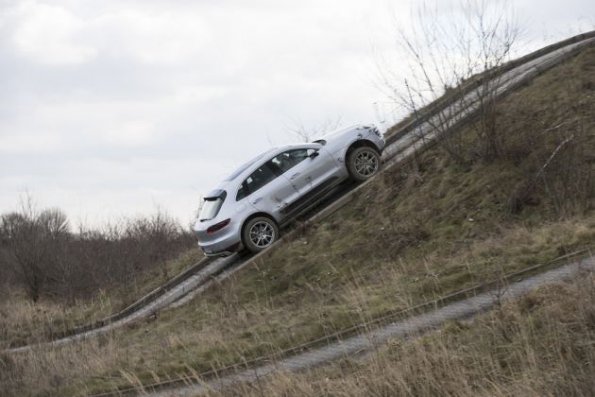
{"x":433,"y":226}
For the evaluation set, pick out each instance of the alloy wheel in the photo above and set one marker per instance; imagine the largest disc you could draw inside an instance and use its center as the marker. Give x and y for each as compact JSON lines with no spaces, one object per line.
{"x":262,"y":234}
{"x":366,"y":163}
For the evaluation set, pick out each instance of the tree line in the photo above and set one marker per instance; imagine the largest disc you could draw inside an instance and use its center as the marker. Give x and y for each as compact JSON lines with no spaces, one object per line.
{"x":40,"y":253}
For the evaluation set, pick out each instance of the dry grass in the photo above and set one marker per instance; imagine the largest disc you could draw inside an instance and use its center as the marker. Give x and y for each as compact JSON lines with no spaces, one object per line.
{"x":414,"y":234}
{"x":24,"y":321}
{"x":50,"y":373}
{"x":541,"y":345}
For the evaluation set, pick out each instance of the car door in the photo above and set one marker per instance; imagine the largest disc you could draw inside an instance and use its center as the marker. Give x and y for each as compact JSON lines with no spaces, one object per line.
{"x":266,"y":190}
{"x":317,"y":168}
{"x":306,"y":168}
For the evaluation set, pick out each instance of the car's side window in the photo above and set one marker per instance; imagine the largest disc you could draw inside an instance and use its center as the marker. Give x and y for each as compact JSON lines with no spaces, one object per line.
{"x":289,"y":159}
{"x":260,"y":177}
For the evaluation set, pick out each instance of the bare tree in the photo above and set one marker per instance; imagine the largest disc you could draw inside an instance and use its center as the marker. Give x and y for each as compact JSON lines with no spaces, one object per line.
{"x":153,"y":235}
{"x":449,"y":52}
{"x":33,"y":240}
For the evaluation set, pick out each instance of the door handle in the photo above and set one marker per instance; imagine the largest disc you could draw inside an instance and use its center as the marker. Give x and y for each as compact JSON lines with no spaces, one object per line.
{"x":295,"y":175}
{"x":256,"y":200}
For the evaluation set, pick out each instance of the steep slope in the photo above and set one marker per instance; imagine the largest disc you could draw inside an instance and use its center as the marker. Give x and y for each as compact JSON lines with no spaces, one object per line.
{"x":403,"y":140}
{"x":420,"y":231}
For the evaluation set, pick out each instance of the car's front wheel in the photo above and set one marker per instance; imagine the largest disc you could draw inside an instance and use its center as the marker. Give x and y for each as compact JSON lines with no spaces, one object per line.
{"x":363,"y":163}
{"x":259,"y":233}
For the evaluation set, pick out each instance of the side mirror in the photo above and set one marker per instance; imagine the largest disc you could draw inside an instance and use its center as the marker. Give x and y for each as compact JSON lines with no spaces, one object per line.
{"x":314,"y":154}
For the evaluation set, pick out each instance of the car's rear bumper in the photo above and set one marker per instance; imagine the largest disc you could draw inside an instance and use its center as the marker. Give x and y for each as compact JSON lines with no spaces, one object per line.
{"x":224,"y":247}
{"x":222,"y":242}
{"x":225,"y":252}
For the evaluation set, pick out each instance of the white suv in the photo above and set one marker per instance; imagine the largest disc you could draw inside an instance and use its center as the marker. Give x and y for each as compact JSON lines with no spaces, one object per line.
{"x":247,"y":209}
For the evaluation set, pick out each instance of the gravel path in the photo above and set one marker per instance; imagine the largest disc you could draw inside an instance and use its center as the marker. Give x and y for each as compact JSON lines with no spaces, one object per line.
{"x":368,"y":341}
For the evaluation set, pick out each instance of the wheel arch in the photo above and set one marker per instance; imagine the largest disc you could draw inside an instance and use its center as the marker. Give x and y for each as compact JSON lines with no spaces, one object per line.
{"x":360,"y":143}
{"x":256,"y":215}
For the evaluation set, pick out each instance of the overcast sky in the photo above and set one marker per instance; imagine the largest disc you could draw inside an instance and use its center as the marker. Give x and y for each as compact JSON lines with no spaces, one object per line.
{"x":117,"y":107}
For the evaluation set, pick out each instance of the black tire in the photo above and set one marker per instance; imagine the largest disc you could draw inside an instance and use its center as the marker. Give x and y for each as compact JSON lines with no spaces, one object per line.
{"x":259,"y":233}
{"x":363,"y":163}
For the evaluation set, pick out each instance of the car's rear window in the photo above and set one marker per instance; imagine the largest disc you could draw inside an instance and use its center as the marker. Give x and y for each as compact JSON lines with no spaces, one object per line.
{"x":211,"y":206}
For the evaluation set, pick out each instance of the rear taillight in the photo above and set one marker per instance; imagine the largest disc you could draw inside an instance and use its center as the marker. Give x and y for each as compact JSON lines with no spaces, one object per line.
{"x":218,"y":226}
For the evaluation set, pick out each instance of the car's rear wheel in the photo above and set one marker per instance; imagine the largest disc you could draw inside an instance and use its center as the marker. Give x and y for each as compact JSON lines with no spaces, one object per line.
{"x":259,"y":233}
{"x":363,"y":163}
